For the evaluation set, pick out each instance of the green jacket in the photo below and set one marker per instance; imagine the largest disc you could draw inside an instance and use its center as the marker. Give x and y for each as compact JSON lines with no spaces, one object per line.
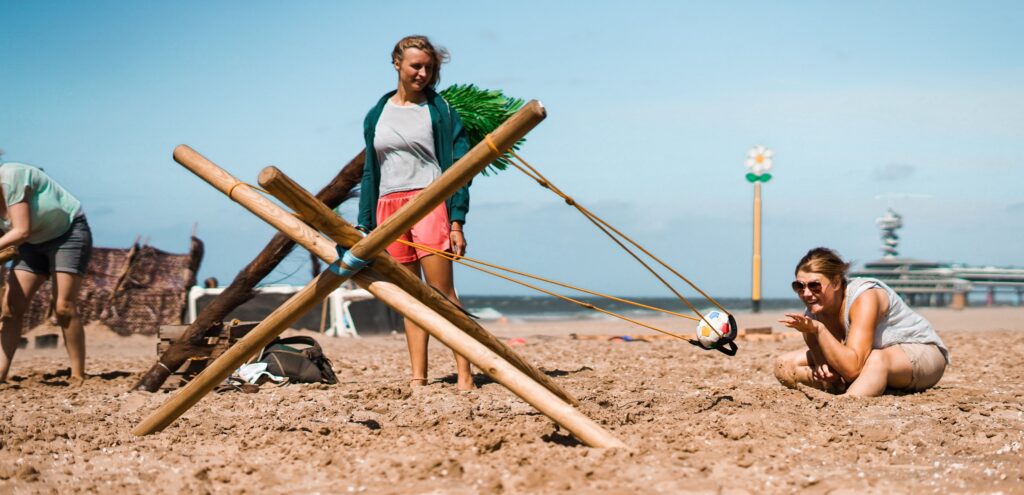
{"x":450,"y":143}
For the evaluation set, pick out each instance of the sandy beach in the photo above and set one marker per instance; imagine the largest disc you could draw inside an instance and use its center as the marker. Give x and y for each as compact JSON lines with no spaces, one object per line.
{"x":695,"y":422}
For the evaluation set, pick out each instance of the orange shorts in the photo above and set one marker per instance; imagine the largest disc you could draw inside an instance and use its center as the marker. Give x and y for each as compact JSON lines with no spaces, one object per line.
{"x":433,"y":231}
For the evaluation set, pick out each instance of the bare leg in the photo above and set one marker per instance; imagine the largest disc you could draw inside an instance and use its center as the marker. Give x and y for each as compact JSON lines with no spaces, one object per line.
{"x":438,"y":273}
{"x":889,"y":367}
{"x":21,"y":286}
{"x":65,"y":308}
{"x":416,"y":339}
{"x":792,"y":368}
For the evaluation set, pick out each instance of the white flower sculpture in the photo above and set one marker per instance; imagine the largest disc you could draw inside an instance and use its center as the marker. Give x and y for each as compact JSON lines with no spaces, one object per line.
{"x":759,"y":163}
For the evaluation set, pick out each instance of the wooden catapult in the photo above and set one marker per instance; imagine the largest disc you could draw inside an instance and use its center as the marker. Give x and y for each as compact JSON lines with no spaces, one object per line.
{"x":364,"y":260}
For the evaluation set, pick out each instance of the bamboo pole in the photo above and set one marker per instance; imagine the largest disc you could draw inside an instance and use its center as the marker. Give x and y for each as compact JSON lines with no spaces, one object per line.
{"x":324,"y":219}
{"x":458,"y":175}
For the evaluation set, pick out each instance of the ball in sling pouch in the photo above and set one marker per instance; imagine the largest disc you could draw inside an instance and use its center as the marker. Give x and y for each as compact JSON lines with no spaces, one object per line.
{"x":721,"y":328}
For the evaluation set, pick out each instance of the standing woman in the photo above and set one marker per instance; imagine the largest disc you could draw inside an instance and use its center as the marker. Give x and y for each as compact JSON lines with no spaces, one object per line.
{"x":48,"y":226}
{"x":861,"y":337}
{"x":412,"y":137}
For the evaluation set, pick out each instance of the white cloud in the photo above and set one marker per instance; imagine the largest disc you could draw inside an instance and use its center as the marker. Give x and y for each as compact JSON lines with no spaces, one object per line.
{"x":893,"y":172}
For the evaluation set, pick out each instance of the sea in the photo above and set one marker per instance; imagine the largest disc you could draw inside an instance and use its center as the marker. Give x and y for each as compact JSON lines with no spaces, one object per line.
{"x":546,"y":308}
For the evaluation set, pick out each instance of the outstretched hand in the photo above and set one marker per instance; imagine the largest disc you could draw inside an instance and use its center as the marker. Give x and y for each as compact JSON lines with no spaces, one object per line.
{"x":802,"y":323}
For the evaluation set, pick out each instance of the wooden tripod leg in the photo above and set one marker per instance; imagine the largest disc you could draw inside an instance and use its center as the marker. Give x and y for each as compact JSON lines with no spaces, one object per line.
{"x":321,"y":217}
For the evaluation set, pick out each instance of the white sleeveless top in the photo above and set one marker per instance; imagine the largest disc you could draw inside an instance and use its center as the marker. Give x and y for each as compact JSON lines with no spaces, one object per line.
{"x":899,"y":324}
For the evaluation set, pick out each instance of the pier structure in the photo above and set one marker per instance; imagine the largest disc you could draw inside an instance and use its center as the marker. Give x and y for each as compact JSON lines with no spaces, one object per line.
{"x":928,"y":283}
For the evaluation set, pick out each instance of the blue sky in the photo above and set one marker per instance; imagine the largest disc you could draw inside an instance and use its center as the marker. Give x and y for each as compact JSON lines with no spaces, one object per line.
{"x":652,"y":107}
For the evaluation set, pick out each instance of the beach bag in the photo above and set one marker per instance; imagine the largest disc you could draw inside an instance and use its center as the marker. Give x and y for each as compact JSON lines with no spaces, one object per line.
{"x":300,"y":359}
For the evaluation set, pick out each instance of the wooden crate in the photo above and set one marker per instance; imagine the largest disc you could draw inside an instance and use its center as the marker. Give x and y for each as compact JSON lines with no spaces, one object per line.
{"x":217,"y":340}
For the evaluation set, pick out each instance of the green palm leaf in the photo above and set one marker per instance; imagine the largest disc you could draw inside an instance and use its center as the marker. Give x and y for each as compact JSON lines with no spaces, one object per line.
{"x":482,"y":110}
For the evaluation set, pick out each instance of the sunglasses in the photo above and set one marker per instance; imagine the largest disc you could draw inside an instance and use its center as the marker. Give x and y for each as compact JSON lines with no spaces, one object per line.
{"x":799,"y":286}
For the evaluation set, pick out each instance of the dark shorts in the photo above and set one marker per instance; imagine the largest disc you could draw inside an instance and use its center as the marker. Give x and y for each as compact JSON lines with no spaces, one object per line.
{"x":68,"y":253}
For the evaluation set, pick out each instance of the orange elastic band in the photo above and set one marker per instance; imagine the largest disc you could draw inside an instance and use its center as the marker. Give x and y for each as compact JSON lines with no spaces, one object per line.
{"x":490,"y":144}
{"x":232,"y":189}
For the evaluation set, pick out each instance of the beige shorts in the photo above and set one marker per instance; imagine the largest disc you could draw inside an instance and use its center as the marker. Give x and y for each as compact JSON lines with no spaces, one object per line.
{"x":928,"y":365}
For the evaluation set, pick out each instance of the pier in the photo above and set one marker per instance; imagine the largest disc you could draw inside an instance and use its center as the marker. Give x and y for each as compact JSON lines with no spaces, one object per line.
{"x":928,"y":283}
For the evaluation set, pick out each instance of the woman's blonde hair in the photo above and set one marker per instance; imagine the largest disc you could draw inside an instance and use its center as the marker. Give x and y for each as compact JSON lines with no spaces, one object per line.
{"x":438,"y":55}
{"x":824,"y":261}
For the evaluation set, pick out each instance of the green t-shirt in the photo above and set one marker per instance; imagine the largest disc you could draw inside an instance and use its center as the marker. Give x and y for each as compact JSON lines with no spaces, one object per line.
{"x":51,"y":207}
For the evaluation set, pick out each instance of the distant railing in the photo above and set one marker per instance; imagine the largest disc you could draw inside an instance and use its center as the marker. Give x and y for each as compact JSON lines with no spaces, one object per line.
{"x":941,"y":285}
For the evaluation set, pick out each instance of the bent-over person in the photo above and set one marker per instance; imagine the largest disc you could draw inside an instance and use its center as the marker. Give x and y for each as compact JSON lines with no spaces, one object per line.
{"x":48,"y":226}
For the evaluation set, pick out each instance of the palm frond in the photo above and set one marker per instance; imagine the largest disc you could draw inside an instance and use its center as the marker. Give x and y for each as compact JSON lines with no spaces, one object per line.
{"x":483,"y":110}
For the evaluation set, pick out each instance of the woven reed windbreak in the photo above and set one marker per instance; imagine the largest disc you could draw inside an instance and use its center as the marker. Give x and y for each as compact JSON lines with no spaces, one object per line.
{"x":129,"y":290}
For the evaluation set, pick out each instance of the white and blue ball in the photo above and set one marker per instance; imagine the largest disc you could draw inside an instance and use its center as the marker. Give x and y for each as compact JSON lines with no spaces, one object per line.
{"x":721,"y":328}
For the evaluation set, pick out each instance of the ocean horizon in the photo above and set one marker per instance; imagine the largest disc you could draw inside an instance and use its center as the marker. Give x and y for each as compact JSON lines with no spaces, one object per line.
{"x":545,"y":307}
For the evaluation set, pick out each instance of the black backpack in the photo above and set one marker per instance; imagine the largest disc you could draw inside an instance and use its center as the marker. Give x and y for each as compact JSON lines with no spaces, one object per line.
{"x":300,"y":359}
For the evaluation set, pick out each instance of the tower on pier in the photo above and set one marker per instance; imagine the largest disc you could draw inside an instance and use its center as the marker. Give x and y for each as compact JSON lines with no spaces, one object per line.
{"x":888,"y":224}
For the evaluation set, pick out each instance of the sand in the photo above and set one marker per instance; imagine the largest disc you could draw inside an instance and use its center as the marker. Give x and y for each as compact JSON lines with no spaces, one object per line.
{"x":696,"y":422}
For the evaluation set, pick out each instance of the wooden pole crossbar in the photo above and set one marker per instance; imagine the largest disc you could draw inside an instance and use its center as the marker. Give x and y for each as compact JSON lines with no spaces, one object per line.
{"x":496,"y":365}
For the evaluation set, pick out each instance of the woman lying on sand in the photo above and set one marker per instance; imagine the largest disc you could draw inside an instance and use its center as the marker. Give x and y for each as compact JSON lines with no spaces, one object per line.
{"x":861,"y":337}
{"x":48,"y":226}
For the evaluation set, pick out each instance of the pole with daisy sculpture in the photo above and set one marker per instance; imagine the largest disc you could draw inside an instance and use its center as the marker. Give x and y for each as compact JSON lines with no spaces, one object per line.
{"x":759,"y":165}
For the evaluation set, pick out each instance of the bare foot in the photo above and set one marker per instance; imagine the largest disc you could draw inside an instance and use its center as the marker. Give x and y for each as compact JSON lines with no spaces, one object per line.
{"x":465,"y":384}
{"x":418,"y":382}
{"x":76,"y":381}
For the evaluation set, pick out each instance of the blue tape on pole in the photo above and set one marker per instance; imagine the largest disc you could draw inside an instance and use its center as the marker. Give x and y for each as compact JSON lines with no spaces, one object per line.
{"x":346,"y":257}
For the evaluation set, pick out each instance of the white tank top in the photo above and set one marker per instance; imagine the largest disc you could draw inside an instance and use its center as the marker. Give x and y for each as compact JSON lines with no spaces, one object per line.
{"x":899,"y":324}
